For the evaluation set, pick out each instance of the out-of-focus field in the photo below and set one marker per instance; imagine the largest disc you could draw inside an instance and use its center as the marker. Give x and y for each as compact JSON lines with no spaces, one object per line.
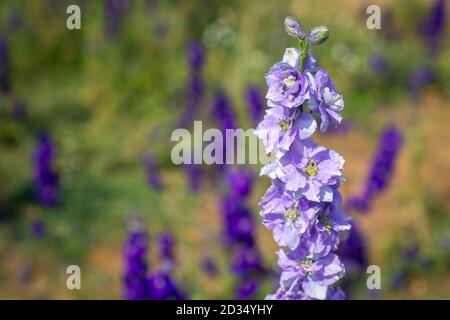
{"x":107,"y":101}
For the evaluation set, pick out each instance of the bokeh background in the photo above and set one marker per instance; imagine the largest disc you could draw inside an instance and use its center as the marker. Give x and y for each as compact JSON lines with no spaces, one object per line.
{"x":85,"y":123}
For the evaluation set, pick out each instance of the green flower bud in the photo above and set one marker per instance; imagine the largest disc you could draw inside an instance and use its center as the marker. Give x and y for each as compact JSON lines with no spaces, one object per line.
{"x":318,"y":35}
{"x":293,"y":28}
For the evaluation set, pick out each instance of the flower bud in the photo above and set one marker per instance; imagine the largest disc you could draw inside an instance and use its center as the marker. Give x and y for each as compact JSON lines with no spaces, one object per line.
{"x":293,"y":28}
{"x":318,"y":35}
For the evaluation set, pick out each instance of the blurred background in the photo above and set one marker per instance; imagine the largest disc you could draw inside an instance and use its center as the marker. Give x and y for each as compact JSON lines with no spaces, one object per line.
{"x":85,"y":122}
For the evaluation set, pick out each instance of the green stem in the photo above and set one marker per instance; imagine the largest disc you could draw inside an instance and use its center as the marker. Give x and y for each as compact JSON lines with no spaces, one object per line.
{"x":304,"y":51}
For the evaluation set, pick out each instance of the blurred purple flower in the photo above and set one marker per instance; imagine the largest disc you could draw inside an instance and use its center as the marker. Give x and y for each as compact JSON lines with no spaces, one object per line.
{"x":115,"y":11}
{"x":153,"y":173}
{"x":166,"y":251}
{"x":247,"y":289}
{"x":419,"y":78}
{"x":378,"y":64}
{"x":381,"y":171}
{"x":46,"y":180}
{"x":433,"y":27}
{"x":209,"y":266}
{"x":5,"y":66}
{"x":246,"y":261}
{"x":196,"y":56}
{"x":240,"y":182}
{"x":161,"y":286}
{"x":38,"y":230}
{"x":135,"y":269}
{"x":353,"y":251}
{"x":255,"y":102}
{"x":195,"y":86}
{"x":239,"y":233}
{"x":194,"y":175}
{"x":223,"y":111}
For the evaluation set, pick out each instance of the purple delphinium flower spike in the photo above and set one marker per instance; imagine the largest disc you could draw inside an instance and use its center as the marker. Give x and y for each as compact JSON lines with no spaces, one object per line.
{"x":194,"y":95}
{"x":46,"y":180}
{"x":161,"y":286}
{"x":302,"y":207}
{"x":195,"y":86}
{"x":166,"y":251}
{"x":5,"y":65}
{"x":223,"y":111}
{"x":194,"y":176}
{"x":239,"y":233}
{"x":255,"y":102}
{"x":433,"y":28}
{"x":135,"y":268}
{"x":381,"y":171}
{"x":115,"y":11}
{"x":353,"y":251}
{"x":153,"y":174}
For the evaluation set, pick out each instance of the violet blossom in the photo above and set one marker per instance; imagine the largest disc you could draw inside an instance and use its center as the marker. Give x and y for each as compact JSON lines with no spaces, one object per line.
{"x":381,"y":171}
{"x":302,"y":207}
{"x":255,"y":102}
{"x":46,"y":179}
{"x":5,"y":66}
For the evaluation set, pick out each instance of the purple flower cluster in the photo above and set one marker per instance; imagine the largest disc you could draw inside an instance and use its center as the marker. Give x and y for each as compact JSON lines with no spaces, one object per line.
{"x":239,"y":234}
{"x":255,"y":103}
{"x":135,"y":269}
{"x":381,"y":171}
{"x":46,"y":180}
{"x":302,"y":206}
{"x":433,"y":27}
{"x":138,"y":284}
{"x":195,"y":86}
{"x":153,"y":174}
{"x":195,"y":89}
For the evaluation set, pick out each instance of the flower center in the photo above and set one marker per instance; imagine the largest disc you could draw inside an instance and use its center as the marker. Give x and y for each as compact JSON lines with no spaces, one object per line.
{"x":326,"y":222}
{"x":306,"y":263}
{"x":312,"y":168}
{"x":289,"y":81}
{"x":284,"y":125}
{"x":291,"y":214}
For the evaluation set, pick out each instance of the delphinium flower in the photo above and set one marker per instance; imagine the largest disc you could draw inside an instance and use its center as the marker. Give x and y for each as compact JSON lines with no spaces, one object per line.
{"x":354,"y":256}
{"x":161,"y":284}
{"x":209,"y":266}
{"x":239,"y":234}
{"x":46,"y":180}
{"x":381,"y":171}
{"x":38,"y":229}
{"x":195,"y":85}
{"x":166,"y":249}
{"x":255,"y":102}
{"x":418,"y":79}
{"x":153,"y":174}
{"x":115,"y":11}
{"x":302,"y":207}
{"x":135,"y":269}
{"x":378,"y":64}
{"x":5,"y":65}
{"x":162,"y":287}
{"x":194,"y":175}
{"x":194,"y":95}
{"x":222,"y":112}
{"x":433,"y":28}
